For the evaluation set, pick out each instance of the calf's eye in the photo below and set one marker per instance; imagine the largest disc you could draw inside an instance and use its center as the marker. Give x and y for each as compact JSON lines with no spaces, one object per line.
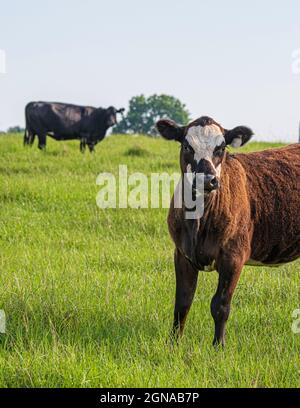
{"x":187,"y":148}
{"x":219,"y":151}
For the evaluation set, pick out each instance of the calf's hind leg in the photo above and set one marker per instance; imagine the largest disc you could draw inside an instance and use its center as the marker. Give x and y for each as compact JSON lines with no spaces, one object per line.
{"x":186,"y":283}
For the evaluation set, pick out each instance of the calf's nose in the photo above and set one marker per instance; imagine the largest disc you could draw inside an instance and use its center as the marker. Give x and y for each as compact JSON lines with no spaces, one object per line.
{"x":210,"y":182}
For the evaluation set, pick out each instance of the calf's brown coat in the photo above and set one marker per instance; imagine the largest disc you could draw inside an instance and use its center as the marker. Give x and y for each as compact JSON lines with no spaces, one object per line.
{"x":253,"y":218}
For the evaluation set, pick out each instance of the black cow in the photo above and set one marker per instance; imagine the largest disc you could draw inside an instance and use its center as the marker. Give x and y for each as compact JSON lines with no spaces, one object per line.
{"x":63,"y":121}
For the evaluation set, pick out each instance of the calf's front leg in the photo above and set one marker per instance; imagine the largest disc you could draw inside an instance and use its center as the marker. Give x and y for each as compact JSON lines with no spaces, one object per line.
{"x":186,"y":283}
{"x":229,"y":272}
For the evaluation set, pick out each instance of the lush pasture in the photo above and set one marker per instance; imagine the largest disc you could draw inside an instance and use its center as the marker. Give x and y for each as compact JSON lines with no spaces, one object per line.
{"x":88,"y":293}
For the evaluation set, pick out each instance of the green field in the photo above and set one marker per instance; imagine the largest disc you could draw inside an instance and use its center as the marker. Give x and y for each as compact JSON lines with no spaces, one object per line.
{"x":88,"y":293}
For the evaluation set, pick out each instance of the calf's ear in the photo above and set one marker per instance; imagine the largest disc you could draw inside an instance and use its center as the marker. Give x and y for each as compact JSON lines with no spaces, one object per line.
{"x":238,"y":136}
{"x":170,"y":130}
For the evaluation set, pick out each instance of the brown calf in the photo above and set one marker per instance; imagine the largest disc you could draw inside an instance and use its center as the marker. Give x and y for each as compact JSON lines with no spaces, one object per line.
{"x":251,"y":212}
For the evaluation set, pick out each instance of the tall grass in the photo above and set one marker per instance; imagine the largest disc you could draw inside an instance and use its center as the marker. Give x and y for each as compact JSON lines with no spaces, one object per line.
{"x":89,"y":293}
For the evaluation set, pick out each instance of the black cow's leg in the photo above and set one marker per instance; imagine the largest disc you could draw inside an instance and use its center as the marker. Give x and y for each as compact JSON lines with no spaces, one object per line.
{"x":42,"y":141}
{"x":31,"y":139}
{"x":91,"y":147}
{"x":26,"y":137}
{"x":229,"y":273}
{"x":186,"y":283}
{"x":82,"y":145}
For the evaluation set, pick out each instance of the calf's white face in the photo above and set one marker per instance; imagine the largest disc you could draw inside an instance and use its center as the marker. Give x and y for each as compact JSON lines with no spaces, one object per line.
{"x":203,"y":144}
{"x":204,"y":140}
{"x":207,"y":142}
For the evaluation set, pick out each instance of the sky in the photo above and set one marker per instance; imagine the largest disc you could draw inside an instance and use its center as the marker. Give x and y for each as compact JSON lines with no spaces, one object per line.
{"x":236,"y":61}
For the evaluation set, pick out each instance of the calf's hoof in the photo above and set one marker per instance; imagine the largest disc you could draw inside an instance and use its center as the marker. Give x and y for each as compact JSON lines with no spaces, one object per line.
{"x":219,"y":343}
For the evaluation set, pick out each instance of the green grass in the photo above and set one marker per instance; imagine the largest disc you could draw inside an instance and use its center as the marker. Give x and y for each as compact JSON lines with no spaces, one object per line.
{"x":89,"y":293}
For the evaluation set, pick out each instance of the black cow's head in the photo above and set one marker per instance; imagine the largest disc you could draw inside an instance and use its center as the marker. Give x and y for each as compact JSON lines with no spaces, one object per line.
{"x":203,"y":144}
{"x":111,"y":116}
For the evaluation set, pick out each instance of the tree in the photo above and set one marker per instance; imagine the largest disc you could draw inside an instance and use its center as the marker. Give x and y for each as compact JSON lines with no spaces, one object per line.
{"x":144,"y":112}
{"x":15,"y":129}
